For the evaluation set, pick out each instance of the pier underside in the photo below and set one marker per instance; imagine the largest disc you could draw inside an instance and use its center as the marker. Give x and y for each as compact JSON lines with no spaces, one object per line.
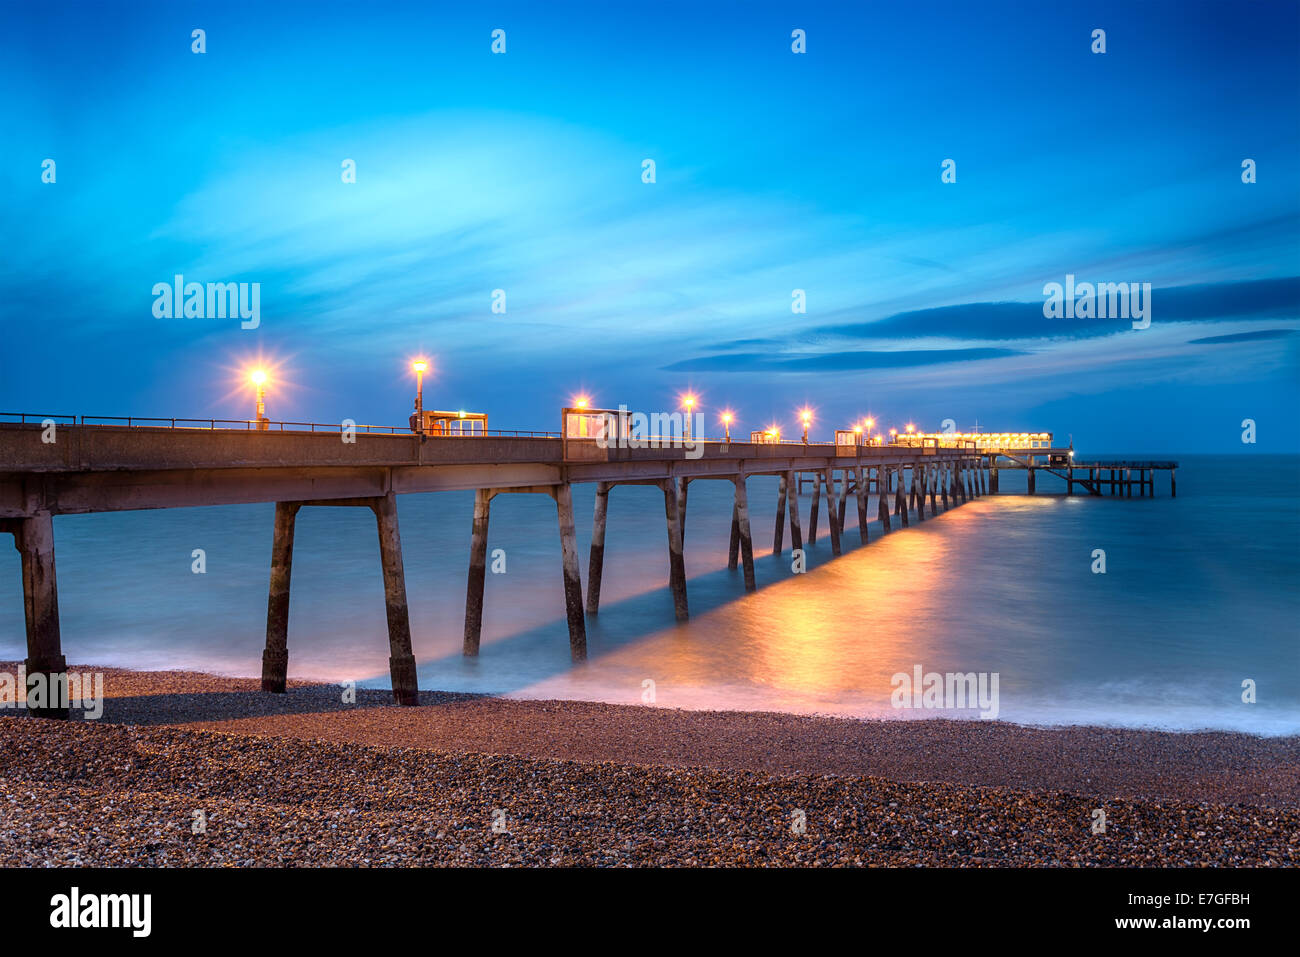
{"x":98,"y":469}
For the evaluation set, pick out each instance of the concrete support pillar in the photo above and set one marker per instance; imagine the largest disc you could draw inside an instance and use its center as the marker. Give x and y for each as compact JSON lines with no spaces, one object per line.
{"x":932,"y":477}
{"x":746,"y":539}
{"x":944,"y":482}
{"x":596,"y":561}
{"x":733,"y":549}
{"x":275,"y":657}
{"x":832,"y":511}
{"x":918,"y":491}
{"x":1069,"y":480}
{"x":993,"y":479}
{"x":792,"y":496}
{"x":900,"y":498}
{"x":843,"y":492}
{"x":1128,"y":483}
{"x":401,"y":662}
{"x":47,"y":669}
{"x":814,"y":515}
{"x":477,"y":572}
{"x":778,"y":534}
{"x":676,"y":561}
{"x":563,"y":494}
{"x":860,"y":481}
{"x":1173,"y":484}
{"x":681,"y":507}
{"x":882,"y":496}
{"x":984,"y":477}
{"x":1031,"y":480}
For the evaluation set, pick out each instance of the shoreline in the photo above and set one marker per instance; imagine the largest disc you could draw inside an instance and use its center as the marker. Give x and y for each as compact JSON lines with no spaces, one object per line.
{"x":302,"y":778}
{"x":1207,"y":765}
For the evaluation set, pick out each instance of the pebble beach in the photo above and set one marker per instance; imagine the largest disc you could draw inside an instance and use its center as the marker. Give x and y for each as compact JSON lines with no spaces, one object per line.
{"x":187,"y":769}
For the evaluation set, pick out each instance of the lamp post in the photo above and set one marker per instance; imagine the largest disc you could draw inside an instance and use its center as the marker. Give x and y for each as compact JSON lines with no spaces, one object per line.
{"x":726,"y":422}
{"x":258,"y":377}
{"x":688,"y":403}
{"x":806,"y":417}
{"x":420,"y":367}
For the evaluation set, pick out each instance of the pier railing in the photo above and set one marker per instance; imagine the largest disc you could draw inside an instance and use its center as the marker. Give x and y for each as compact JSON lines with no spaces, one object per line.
{"x":250,"y":425}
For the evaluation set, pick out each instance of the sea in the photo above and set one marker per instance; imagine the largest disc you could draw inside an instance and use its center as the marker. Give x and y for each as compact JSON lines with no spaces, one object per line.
{"x":1163,"y":612}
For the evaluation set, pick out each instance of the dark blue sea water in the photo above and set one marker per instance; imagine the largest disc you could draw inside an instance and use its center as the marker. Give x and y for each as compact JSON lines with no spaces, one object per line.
{"x":1200,"y":594}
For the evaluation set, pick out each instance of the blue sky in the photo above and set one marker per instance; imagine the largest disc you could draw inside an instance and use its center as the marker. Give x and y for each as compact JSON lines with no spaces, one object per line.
{"x":775,"y":171}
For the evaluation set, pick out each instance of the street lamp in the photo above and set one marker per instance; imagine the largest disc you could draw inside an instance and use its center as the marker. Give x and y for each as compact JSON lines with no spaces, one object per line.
{"x":421,"y":366}
{"x":688,"y":403}
{"x":805,"y":416}
{"x":726,"y":421}
{"x":258,"y":378}
{"x":581,"y":401}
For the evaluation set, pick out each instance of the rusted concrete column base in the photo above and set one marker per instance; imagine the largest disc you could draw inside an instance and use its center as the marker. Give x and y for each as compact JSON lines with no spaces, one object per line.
{"x":572,"y":579}
{"x":676,"y":562}
{"x":860,"y":480}
{"x":477,"y":571}
{"x":832,"y":511}
{"x":47,"y":669}
{"x":746,"y":540}
{"x":844,"y":498}
{"x":275,"y":657}
{"x":401,"y":662}
{"x":814,"y":517}
{"x":596,"y":561}
{"x":681,"y":507}
{"x":733,"y":548}
{"x":778,"y":534}
{"x":882,"y":496}
{"x":792,"y":500}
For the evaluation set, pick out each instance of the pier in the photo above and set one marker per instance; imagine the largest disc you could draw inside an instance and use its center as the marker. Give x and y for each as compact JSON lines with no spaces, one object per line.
{"x":63,"y":465}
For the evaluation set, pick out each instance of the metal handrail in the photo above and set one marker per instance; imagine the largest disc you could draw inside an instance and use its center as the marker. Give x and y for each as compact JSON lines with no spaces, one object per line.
{"x":248,"y":425}
{"x":141,"y":421}
{"x":1123,"y":464}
